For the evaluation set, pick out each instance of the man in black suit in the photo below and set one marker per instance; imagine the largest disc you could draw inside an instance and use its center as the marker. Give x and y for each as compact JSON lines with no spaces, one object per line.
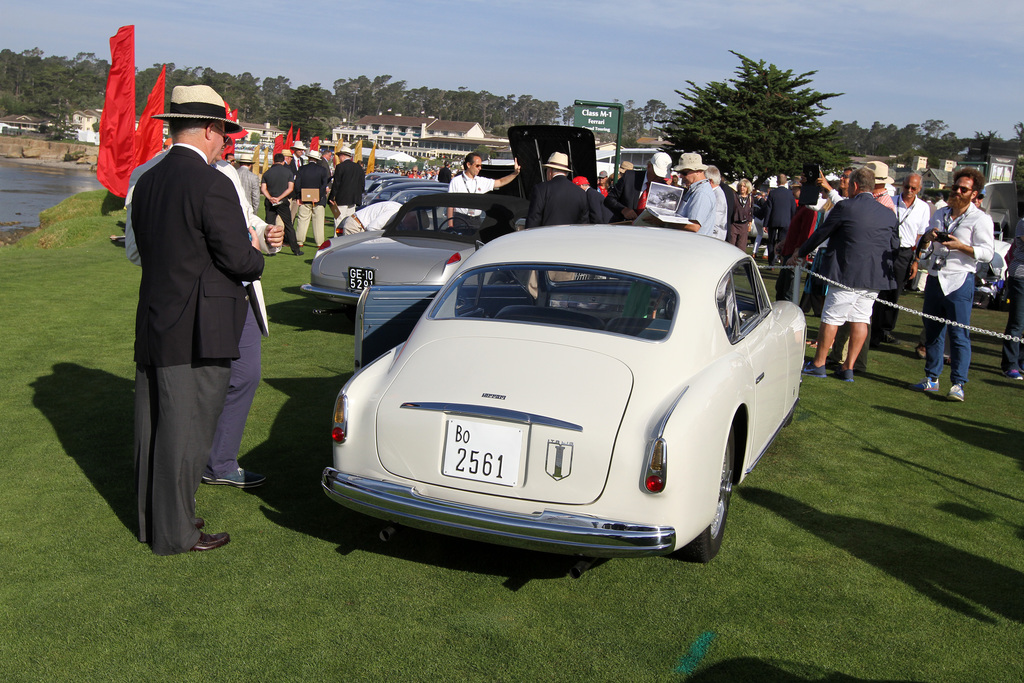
{"x":779,"y":209}
{"x":445,"y":174}
{"x":628,"y":195}
{"x":347,"y":187}
{"x":862,"y":242}
{"x":557,"y":201}
{"x":599,"y":213}
{"x":196,"y":251}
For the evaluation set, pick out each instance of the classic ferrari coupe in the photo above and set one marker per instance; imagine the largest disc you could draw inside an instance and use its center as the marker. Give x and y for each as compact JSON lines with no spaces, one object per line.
{"x":587,"y":390}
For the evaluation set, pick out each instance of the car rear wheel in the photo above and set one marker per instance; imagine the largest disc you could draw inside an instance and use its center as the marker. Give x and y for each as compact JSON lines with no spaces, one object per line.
{"x":709,"y":542}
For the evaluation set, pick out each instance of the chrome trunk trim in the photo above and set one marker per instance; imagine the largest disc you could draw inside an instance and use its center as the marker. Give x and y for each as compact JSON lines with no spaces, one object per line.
{"x":548,"y":531}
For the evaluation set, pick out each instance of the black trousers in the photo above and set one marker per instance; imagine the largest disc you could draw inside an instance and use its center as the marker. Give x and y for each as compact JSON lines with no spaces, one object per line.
{"x":285,"y":213}
{"x":883,"y":318}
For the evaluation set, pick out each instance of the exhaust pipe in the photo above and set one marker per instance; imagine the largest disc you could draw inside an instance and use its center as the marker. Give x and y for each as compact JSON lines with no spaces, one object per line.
{"x":580,"y":567}
{"x":387,"y":533}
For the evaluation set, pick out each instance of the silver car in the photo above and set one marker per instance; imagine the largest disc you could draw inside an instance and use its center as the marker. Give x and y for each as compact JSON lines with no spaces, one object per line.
{"x":424,"y":243}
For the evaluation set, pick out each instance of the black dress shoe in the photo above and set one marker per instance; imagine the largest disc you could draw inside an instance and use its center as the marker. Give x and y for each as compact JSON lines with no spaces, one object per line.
{"x":887,"y":338}
{"x":299,"y":252}
{"x":210,"y":541}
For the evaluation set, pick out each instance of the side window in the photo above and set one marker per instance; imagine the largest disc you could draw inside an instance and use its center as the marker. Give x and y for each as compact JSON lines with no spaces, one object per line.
{"x":742,"y":300}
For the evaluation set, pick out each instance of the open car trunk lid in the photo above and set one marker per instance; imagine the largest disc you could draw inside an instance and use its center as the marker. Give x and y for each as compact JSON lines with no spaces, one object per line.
{"x":535,"y":420}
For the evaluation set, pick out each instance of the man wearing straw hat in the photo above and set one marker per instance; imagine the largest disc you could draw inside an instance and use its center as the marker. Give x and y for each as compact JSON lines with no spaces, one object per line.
{"x":196,"y":251}
{"x":347,"y":189}
{"x":557,"y":201}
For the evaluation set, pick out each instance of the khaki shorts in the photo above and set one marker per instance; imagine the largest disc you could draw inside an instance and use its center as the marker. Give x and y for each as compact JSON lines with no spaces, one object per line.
{"x":848,"y":305}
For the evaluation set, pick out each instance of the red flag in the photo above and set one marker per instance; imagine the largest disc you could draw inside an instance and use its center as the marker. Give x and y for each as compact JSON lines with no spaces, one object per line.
{"x":149,"y":136}
{"x":231,"y":115}
{"x":279,"y":144}
{"x":315,"y":143}
{"x":298,"y":135}
{"x":117,"y":123}
{"x":289,"y":140}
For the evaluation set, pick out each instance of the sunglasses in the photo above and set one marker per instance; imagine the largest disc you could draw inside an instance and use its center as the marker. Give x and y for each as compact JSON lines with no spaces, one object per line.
{"x":961,"y":188}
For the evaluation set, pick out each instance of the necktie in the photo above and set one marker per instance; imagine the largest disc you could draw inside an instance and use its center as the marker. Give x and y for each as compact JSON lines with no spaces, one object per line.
{"x":640,"y":205}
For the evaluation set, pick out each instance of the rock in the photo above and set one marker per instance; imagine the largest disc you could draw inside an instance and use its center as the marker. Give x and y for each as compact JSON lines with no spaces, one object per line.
{"x":33,"y":153}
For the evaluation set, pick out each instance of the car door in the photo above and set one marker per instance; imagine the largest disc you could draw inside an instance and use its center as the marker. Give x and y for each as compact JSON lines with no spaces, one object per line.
{"x":754,"y":332}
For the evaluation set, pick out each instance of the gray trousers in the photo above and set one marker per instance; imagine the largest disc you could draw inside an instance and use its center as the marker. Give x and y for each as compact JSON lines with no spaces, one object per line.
{"x":176,"y":413}
{"x":245,"y":378}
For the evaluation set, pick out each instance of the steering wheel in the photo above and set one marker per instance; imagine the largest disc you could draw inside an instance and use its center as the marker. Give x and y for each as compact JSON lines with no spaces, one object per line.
{"x":456,"y":224}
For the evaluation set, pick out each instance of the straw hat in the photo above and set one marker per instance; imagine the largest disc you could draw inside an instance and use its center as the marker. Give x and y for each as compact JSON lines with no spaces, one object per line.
{"x":199,"y":102}
{"x":559,"y":161}
{"x":690,"y":162}
{"x":881,"y":171}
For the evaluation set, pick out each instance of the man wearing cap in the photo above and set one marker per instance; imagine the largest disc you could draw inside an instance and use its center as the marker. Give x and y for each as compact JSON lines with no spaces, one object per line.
{"x":628,"y":196}
{"x":250,"y":183}
{"x":700,"y":203}
{"x":312,"y":180}
{"x":599,"y":213}
{"x":779,"y":209}
{"x":196,"y":251}
{"x":557,"y":201}
{"x":348,"y":185}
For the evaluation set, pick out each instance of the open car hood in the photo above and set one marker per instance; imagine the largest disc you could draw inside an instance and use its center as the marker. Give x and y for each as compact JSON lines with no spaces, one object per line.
{"x":533,"y":145}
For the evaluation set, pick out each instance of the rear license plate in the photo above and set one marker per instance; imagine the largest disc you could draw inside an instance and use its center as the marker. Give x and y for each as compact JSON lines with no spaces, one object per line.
{"x":482,"y":452}
{"x":360,"y":278}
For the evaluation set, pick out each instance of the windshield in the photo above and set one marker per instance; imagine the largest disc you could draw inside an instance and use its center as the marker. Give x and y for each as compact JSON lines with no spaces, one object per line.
{"x":562,"y":296}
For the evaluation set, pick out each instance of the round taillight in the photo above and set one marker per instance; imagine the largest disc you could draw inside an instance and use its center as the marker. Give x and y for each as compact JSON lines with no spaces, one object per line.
{"x":338,"y":434}
{"x":654,"y":484}
{"x":455,"y":258}
{"x":323,"y":246}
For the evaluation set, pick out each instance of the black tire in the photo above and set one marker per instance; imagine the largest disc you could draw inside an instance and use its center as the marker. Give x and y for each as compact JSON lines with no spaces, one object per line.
{"x":704,"y":548}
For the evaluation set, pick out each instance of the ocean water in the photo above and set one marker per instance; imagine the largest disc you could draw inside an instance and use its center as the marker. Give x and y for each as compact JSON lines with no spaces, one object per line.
{"x":27,"y":189}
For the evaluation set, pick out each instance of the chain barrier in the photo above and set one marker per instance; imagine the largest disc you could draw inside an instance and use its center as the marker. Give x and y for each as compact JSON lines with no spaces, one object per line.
{"x":969,"y":328}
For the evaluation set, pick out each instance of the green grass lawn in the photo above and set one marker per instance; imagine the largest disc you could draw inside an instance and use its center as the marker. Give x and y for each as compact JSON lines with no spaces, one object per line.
{"x":879,"y":539}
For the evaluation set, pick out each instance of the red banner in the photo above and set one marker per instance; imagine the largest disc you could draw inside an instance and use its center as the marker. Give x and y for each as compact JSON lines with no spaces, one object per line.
{"x":117,"y":123}
{"x":289,"y":140}
{"x":315,"y":143}
{"x":279,"y":144}
{"x":149,"y":136}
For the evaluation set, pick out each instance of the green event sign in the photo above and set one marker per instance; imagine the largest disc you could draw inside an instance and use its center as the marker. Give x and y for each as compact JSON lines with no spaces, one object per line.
{"x":598,"y":118}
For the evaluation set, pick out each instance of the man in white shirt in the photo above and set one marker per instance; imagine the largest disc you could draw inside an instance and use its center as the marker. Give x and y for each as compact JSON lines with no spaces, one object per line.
{"x":961,"y":237}
{"x":912,"y":218}
{"x":472,"y":182}
{"x":719,"y":229}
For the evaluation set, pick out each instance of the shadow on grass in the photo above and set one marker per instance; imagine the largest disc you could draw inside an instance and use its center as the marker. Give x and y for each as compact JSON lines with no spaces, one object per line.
{"x":753,"y":669}
{"x":985,"y":435}
{"x":111,"y":204}
{"x":951,"y":577}
{"x":92,"y":413}
{"x":297,"y":312}
{"x":293,"y":458}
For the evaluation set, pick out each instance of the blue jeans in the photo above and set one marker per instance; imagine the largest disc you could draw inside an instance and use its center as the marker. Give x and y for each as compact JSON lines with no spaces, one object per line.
{"x":954,"y":306}
{"x":1012,"y":359}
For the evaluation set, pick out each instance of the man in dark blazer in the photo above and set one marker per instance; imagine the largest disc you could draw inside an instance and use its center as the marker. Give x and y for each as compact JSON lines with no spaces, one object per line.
{"x":862,"y":241}
{"x":599,"y":213}
{"x":196,"y":250}
{"x":627,"y":196}
{"x":557,"y":201}
{"x":347,"y":187}
{"x":779,"y":209}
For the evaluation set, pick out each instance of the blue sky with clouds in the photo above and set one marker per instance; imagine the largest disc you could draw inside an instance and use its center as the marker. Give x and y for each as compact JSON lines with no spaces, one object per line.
{"x":895,"y":62}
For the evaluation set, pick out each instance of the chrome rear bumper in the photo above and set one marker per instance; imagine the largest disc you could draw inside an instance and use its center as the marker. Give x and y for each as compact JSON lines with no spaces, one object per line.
{"x":548,"y":531}
{"x":337,"y":296}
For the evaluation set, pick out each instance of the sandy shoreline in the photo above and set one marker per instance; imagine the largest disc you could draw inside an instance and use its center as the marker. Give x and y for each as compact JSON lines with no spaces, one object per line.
{"x":51,"y":163}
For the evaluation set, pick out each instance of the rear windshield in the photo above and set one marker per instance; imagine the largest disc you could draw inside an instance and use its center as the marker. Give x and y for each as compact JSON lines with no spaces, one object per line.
{"x":562,"y":296}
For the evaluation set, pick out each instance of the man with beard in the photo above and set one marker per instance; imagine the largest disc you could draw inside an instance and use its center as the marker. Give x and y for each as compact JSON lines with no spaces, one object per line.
{"x":961,"y":237}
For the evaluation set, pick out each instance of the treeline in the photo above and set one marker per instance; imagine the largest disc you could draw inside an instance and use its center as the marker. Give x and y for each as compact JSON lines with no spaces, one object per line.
{"x":54,"y":87}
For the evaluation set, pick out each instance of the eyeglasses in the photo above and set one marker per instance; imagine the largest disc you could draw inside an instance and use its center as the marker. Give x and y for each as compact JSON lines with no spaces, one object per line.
{"x":961,"y":188}
{"x":911,"y":188}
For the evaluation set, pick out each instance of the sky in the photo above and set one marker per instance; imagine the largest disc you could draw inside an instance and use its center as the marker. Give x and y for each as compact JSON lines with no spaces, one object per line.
{"x":896,"y":63}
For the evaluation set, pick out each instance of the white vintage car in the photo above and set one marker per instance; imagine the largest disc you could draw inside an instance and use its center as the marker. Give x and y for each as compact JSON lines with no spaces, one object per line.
{"x":589,"y":390}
